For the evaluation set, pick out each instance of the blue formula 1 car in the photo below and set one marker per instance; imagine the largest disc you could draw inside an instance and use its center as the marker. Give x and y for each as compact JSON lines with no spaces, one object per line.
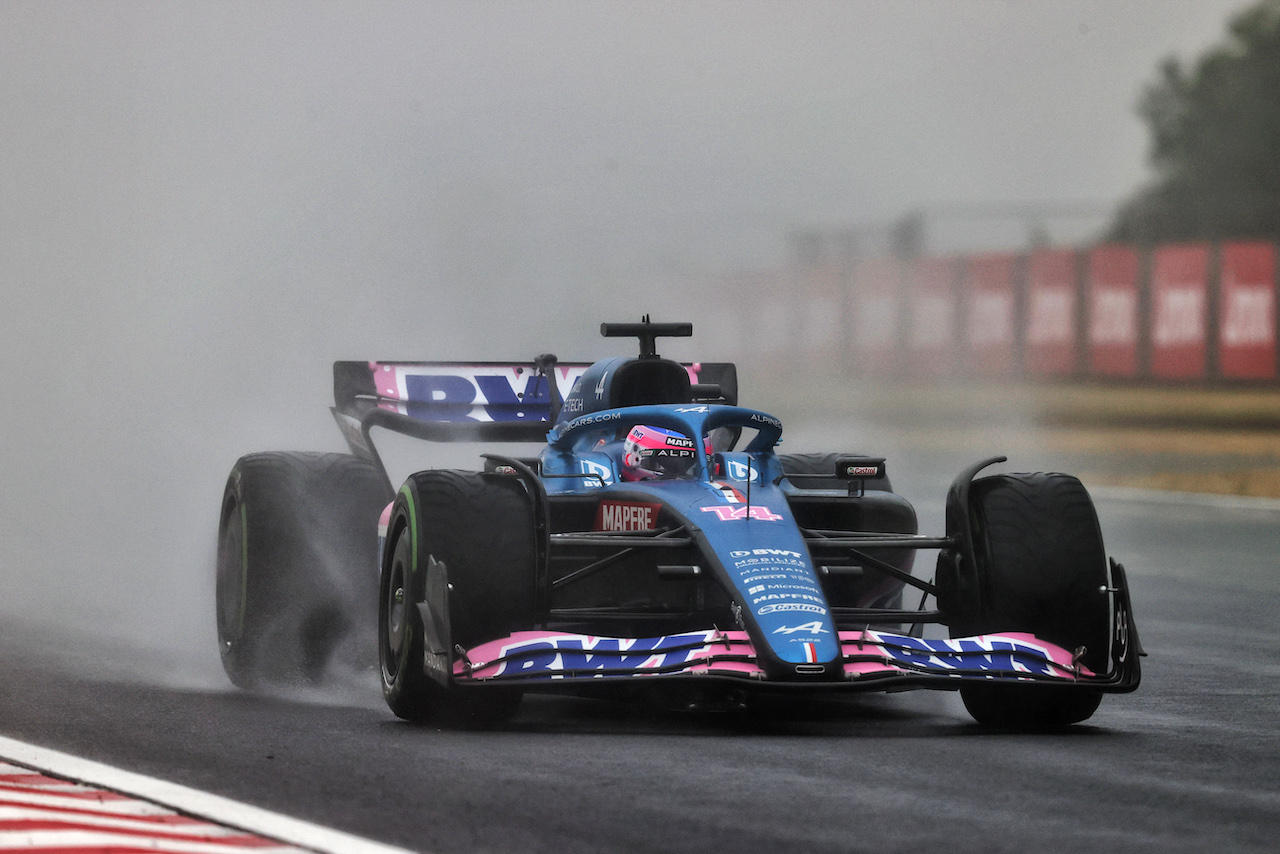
{"x":658,"y":542}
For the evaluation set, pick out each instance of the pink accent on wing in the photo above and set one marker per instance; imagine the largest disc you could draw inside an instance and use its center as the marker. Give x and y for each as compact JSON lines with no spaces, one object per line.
{"x":387,"y":381}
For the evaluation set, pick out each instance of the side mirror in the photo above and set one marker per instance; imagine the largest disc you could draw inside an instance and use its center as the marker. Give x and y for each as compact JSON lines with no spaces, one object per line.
{"x":860,"y":468}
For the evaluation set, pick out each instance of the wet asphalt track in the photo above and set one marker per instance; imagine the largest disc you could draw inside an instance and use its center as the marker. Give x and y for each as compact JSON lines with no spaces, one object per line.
{"x":1189,"y":763}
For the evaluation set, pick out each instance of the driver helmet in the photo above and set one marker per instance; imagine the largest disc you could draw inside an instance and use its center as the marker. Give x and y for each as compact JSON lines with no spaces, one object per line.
{"x":655,"y":452}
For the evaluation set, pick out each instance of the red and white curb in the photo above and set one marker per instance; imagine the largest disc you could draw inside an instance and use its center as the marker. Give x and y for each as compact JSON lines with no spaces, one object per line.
{"x":57,"y":803}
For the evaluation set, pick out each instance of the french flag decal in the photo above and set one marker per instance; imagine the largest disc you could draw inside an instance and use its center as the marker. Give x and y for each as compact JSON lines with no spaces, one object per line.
{"x":729,"y":493}
{"x":811,"y":653}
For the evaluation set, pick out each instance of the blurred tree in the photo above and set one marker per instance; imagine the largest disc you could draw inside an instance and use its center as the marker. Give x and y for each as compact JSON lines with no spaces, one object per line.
{"x":1215,"y":141}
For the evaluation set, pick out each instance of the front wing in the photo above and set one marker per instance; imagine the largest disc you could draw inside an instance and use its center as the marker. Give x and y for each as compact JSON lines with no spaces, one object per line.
{"x":872,"y":660}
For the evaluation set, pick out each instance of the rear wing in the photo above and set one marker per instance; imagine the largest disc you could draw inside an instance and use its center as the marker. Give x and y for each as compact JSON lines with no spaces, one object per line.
{"x":474,"y":401}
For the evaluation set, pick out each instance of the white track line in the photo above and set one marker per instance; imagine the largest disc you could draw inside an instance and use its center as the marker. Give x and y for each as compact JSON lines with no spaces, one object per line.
{"x":1188,"y":499}
{"x":192,"y":801}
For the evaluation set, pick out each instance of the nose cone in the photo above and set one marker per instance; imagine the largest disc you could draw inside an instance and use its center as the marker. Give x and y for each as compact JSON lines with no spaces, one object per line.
{"x":768,"y":567}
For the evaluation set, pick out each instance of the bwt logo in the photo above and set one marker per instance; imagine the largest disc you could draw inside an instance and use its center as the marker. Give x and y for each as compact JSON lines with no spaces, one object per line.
{"x":449,"y":397}
{"x":774,"y":552}
{"x":600,"y":470}
{"x":728,"y":514}
{"x":987,"y":655}
{"x":557,"y":655}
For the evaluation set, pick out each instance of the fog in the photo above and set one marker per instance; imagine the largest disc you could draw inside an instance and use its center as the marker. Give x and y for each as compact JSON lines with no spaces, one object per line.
{"x":203,"y":205}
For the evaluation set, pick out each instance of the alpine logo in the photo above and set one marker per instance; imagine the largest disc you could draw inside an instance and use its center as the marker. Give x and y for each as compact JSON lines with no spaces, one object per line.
{"x":814,"y":628}
{"x":732,"y":513}
{"x":767,"y":419}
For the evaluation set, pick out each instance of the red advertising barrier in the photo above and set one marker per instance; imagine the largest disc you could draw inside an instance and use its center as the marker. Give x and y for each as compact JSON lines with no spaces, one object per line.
{"x":1179,"y":311}
{"x":931,"y":319}
{"x":877,"y":309}
{"x":1053,"y":314}
{"x":989,"y":327}
{"x":1247,"y":311}
{"x":1189,"y":311}
{"x":1111,"y":286}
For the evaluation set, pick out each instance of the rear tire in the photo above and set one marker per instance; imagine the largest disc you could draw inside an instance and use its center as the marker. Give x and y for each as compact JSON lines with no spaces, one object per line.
{"x":1041,"y":569}
{"x":461,"y":570}
{"x":297,"y":543}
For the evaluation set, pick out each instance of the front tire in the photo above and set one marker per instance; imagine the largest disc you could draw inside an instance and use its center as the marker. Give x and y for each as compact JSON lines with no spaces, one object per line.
{"x":461,"y":570}
{"x":1042,"y":569}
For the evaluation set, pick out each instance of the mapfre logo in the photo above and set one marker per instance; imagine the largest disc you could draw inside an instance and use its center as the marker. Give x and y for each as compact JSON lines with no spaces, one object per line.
{"x":627,"y":516}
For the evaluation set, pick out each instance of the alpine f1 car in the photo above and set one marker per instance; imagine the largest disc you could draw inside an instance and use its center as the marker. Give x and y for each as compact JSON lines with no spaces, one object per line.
{"x":657,"y":542}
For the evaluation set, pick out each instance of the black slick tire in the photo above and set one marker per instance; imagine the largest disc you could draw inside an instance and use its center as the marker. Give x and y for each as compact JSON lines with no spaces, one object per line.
{"x":1041,"y":569}
{"x":460,"y":569}
{"x":297,"y":547}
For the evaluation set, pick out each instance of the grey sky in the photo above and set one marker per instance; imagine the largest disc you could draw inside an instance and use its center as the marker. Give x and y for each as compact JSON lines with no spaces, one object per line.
{"x":562,"y":136}
{"x":203,"y":204}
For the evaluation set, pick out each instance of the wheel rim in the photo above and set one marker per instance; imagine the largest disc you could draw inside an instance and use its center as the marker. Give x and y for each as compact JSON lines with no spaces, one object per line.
{"x":395,"y":613}
{"x":395,"y":619}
